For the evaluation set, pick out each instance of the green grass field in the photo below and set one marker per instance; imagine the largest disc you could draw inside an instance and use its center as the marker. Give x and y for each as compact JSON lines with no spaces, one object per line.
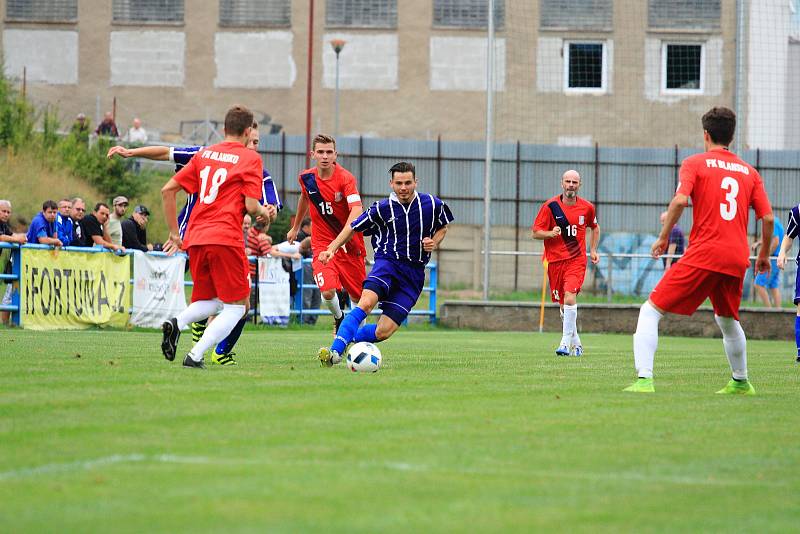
{"x":460,"y":431}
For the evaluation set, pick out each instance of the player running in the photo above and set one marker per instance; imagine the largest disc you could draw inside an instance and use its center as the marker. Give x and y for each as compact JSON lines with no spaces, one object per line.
{"x":792,"y":231}
{"x":223,"y":353}
{"x":331,"y":192}
{"x":405,"y":229}
{"x":561,"y":223}
{"x":722,"y":188}
{"x":227,"y":179}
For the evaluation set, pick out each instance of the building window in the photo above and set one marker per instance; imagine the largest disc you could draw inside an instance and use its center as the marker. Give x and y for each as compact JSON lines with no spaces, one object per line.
{"x":585,"y":67}
{"x":255,"y":13}
{"x":42,"y":10}
{"x":576,"y":14}
{"x":684,"y":14}
{"x":682,"y":68}
{"x":148,"y":11}
{"x":361,"y":13}
{"x":467,"y":13}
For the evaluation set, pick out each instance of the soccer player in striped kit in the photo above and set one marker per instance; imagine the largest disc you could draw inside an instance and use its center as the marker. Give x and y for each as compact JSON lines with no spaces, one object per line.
{"x":562,"y":222}
{"x":405,"y":229}
{"x":792,"y":231}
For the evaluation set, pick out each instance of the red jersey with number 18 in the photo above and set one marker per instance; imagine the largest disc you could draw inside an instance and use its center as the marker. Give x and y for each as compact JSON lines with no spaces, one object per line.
{"x":722,"y":188}
{"x":222,"y":175}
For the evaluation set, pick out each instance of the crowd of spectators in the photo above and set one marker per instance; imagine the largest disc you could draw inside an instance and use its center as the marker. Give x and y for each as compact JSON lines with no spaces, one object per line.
{"x":135,"y":135}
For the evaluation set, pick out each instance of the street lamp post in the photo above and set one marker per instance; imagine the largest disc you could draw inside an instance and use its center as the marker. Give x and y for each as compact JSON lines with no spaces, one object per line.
{"x":338,"y":45}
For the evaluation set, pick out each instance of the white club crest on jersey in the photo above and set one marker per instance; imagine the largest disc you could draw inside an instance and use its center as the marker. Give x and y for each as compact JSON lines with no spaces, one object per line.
{"x":580,"y":219}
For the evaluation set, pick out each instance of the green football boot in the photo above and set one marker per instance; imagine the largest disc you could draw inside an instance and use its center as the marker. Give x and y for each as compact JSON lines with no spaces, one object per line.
{"x":642,"y":385}
{"x":737,"y":387}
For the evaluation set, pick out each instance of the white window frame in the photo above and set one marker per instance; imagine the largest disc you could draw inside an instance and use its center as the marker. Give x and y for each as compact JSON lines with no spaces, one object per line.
{"x":664,"y":89}
{"x":604,"y":68}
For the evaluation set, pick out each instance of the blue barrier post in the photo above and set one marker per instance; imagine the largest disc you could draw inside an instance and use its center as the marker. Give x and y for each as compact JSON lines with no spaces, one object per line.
{"x":434,"y":281}
{"x":16,"y":269}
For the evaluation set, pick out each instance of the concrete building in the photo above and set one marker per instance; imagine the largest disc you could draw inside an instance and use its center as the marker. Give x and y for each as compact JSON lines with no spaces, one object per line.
{"x":571,"y":72}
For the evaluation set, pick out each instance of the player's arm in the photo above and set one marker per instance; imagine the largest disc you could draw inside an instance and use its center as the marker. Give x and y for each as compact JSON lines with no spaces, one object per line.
{"x":429,"y":244}
{"x":593,"y":243}
{"x":169,"y":195}
{"x":674,"y":212}
{"x":343,"y":237}
{"x":302,"y":209}
{"x":767,"y":227}
{"x":255,"y":209}
{"x":157,"y":153}
{"x":786,"y":245}
{"x":546,"y":234}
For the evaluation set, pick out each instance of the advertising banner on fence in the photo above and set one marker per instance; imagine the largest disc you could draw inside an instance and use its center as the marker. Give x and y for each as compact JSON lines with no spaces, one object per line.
{"x":73,"y":290}
{"x":273,"y":291}
{"x":157,"y":289}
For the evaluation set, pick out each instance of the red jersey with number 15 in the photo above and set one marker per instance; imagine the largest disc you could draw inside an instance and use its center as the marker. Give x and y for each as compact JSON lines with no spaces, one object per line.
{"x":573,"y":221}
{"x":722,"y":188}
{"x":222,"y":175}
{"x":329,"y":207}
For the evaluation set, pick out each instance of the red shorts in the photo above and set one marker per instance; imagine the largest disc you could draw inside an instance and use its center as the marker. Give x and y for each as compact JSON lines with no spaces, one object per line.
{"x":343,"y":271}
{"x":219,"y":271}
{"x":683,"y":288}
{"x":566,"y":276}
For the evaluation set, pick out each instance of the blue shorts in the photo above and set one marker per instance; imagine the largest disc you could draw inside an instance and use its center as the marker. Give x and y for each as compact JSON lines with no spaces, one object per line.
{"x":771,"y":280}
{"x":398,"y":285}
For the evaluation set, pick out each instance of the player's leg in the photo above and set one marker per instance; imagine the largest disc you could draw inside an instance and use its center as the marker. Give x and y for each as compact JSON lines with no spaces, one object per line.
{"x":327,"y":279}
{"x":797,"y":317}
{"x":347,"y":331}
{"x":555,"y":276}
{"x":397,"y":303}
{"x":223,"y":353}
{"x":726,"y":297}
{"x":574,"y":275}
{"x":230,"y":279}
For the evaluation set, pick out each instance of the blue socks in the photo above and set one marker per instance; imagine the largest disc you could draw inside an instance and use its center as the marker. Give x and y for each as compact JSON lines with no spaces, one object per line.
{"x":227,"y":344}
{"x":797,"y":334}
{"x":348,"y":329}
{"x":367,"y":333}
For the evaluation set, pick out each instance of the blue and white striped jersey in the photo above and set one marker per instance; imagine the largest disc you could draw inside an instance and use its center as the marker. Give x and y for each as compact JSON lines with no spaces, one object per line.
{"x":793,"y":227}
{"x":397,"y":230}
{"x":181,"y":156}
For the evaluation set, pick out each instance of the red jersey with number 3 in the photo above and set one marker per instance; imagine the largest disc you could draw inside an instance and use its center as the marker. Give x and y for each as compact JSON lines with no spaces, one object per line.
{"x":573,"y":221}
{"x":329,"y":205}
{"x":222,"y":175}
{"x":722,"y":188}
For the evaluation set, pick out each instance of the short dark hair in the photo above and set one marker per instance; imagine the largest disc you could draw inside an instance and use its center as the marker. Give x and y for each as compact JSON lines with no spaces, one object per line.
{"x":101,"y":205}
{"x":255,"y":125}
{"x":402,"y":166}
{"x":305,"y":222}
{"x":49,"y":205}
{"x":237,"y":120}
{"x":323,"y":139}
{"x":720,"y":123}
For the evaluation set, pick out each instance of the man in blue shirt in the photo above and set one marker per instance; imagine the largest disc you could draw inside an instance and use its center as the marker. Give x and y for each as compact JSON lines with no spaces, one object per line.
{"x":63,"y":222}
{"x":772,"y":280}
{"x":792,"y":230}
{"x":405,"y":229}
{"x":43,"y":227}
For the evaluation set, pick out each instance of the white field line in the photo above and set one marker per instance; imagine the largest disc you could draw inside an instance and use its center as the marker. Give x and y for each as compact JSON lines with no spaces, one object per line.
{"x":627,"y":476}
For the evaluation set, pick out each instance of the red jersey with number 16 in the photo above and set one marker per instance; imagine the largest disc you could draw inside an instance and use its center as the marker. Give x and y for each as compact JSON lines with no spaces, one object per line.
{"x":573,"y":221}
{"x":722,"y":188}
{"x":222,"y":175}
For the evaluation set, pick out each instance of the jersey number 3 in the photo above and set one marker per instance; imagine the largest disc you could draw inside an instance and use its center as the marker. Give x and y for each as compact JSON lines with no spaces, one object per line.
{"x":217,"y":180}
{"x":727,"y":209}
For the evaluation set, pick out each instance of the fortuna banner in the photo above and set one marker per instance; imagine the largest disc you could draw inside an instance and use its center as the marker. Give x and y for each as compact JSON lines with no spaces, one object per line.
{"x":273,"y":291}
{"x":157,"y":288}
{"x":73,"y":290}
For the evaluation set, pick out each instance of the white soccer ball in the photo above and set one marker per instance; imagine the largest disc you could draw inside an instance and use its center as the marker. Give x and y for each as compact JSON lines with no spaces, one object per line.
{"x":364,"y":357}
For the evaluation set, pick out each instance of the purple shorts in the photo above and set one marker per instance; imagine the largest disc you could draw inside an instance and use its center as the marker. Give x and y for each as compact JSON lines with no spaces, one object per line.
{"x":398,"y":285}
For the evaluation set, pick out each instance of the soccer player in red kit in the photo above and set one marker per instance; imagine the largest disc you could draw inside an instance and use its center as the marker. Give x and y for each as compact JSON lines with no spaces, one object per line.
{"x":562,"y":222}
{"x":227,"y":178}
{"x":332,"y":194}
{"x":722,"y":188}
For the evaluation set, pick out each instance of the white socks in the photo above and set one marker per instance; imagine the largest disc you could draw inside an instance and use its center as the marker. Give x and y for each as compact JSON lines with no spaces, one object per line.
{"x":197,"y":311}
{"x":735,"y":344}
{"x":645,"y":340}
{"x":568,"y":328}
{"x":218,"y":329}
{"x":333,"y":306}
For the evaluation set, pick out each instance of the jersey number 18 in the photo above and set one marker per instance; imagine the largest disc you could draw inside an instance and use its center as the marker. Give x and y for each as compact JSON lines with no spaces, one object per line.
{"x":217,"y":180}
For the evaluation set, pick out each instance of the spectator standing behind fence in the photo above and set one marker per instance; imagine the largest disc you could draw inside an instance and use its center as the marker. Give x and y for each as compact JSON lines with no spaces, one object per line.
{"x":76,"y":216}
{"x":136,"y":134}
{"x":114,"y":225}
{"x":93,"y":227}
{"x":134,"y":230}
{"x":247,"y":222}
{"x":311,"y":296}
{"x":80,"y":128}
{"x":768,"y":285}
{"x":677,"y":243}
{"x":259,"y":245}
{"x":43,"y":227}
{"x":63,"y":222}
{"x":108,"y":127}
{"x":7,"y":236}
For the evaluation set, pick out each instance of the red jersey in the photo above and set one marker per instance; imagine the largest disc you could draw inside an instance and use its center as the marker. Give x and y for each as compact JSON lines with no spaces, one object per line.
{"x":330,"y":201}
{"x":221,"y":175}
{"x":722,"y":188}
{"x":573,"y":221}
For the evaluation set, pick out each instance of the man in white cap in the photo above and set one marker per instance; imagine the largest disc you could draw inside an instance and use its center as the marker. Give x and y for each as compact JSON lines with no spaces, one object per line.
{"x":114,"y":225}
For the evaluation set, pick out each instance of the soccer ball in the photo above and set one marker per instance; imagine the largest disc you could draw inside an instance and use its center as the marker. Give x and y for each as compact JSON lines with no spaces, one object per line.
{"x":364,"y":357}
